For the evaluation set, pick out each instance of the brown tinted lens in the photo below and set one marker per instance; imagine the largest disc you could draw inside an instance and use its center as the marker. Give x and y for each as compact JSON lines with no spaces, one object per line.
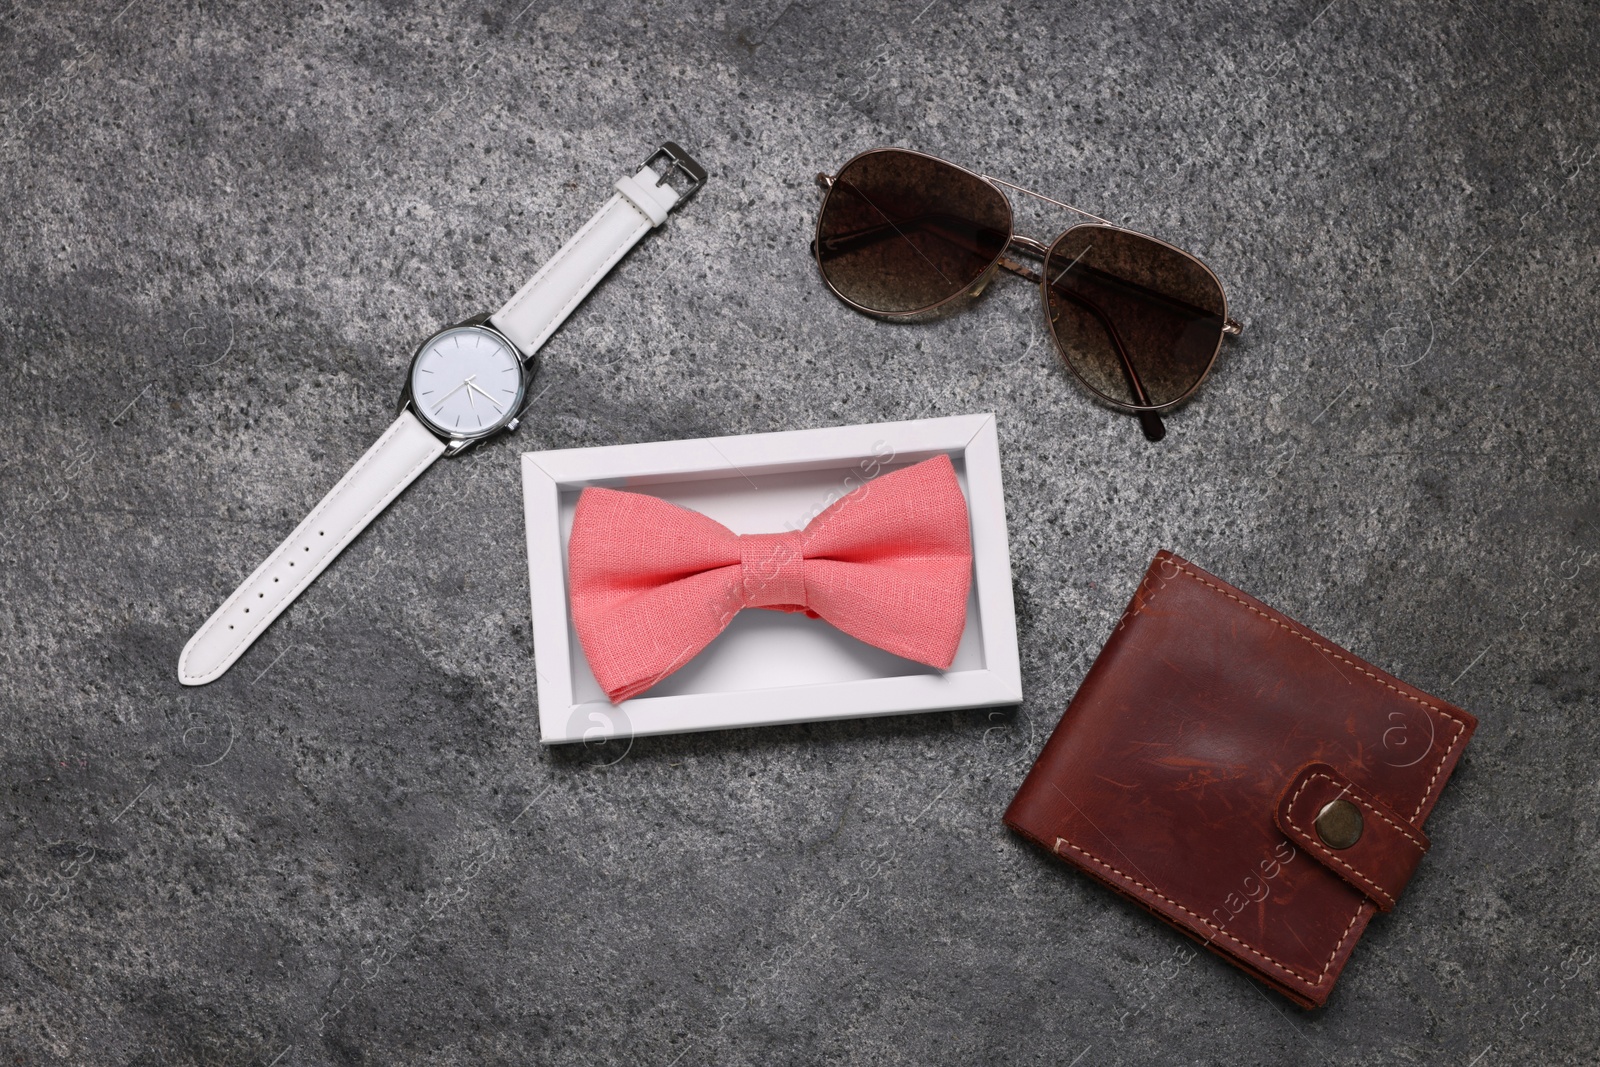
{"x":1138,"y":321}
{"x":901,"y":232}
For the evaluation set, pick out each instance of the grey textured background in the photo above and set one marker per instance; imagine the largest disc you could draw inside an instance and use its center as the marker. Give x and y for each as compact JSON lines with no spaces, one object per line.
{"x":226,"y":226}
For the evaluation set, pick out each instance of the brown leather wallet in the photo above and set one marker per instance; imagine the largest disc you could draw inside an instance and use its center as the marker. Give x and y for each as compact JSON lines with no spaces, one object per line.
{"x":1245,"y":779}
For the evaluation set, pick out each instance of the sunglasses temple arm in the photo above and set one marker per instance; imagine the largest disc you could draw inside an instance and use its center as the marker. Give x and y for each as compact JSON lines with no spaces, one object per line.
{"x":849,"y":242}
{"x":1230,"y":327}
{"x":1149,"y":421}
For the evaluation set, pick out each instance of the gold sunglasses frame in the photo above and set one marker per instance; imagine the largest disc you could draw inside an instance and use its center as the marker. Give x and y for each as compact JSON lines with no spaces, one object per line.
{"x":1149,"y":414}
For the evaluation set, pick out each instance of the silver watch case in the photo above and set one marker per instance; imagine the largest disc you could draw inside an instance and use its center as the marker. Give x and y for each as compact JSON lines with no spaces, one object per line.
{"x":455,"y":444}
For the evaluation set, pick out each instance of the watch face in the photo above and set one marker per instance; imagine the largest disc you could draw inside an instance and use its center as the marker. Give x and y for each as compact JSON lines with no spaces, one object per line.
{"x":466,"y":382}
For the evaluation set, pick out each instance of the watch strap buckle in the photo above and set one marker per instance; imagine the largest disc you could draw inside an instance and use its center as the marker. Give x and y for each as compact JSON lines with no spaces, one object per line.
{"x":680,"y":161}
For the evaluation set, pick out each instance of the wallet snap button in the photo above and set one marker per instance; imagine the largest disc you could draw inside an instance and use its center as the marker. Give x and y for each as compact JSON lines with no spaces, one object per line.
{"x":1339,"y":824}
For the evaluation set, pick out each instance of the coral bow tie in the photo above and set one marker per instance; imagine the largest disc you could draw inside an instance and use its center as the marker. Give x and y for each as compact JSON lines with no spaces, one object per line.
{"x":653,"y":583}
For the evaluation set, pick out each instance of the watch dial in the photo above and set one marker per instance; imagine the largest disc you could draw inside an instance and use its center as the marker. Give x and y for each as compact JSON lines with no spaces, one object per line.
{"x":467,"y":382}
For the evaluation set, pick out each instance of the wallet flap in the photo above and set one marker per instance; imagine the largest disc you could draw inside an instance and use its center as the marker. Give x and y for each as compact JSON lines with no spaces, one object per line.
{"x":1351,"y":832}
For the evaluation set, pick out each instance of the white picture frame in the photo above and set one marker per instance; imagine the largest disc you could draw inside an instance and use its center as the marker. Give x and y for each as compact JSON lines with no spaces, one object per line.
{"x":770,"y":667}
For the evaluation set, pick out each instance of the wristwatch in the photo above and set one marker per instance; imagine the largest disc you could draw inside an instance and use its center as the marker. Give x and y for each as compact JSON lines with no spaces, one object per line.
{"x":467,"y":383}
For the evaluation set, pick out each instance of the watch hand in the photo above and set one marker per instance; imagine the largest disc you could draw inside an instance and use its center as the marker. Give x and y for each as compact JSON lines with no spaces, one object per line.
{"x":486,"y":396}
{"x":451,"y":393}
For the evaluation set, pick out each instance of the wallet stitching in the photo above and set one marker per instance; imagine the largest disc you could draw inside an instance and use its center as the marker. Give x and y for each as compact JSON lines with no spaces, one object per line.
{"x":1460,"y":726}
{"x":1356,"y":798}
{"x":1253,"y":950}
{"x":1140,"y":602}
{"x":1340,"y":945}
{"x":1308,"y":839}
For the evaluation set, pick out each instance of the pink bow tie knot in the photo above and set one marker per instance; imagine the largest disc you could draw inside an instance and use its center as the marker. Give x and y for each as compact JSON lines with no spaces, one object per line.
{"x":772,"y":570}
{"x":651,"y":584}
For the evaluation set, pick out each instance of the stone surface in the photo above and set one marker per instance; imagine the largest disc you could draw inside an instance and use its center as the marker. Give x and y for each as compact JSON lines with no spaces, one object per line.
{"x":225,"y":227}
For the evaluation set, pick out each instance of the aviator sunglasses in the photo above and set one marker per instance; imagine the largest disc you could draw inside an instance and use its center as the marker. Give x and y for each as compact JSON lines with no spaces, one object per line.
{"x":1138,"y":321}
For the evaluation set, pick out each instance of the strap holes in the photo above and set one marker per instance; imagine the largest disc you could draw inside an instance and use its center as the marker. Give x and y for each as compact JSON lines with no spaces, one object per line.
{"x":262,"y":595}
{"x":308,"y":548}
{"x":247,"y":611}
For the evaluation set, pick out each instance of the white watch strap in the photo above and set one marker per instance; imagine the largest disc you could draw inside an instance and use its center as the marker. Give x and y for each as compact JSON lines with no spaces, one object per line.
{"x":530,"y":317}
{"x":404,"y":451}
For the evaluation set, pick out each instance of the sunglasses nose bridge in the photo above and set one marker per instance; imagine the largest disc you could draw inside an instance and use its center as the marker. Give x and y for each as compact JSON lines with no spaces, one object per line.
{"x":1036,"y":249}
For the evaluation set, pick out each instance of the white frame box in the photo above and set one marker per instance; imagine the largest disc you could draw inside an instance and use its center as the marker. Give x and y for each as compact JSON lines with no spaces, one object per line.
{"x":770,"y":667}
